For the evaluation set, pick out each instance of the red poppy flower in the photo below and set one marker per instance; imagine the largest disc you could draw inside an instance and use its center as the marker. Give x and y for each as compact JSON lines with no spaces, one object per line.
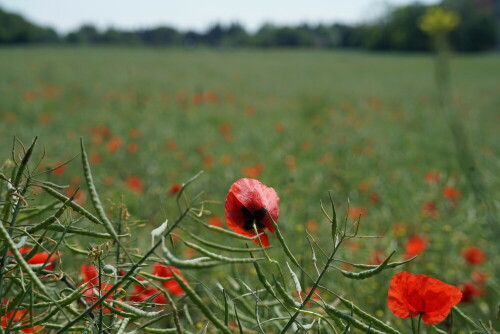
{"x":429,"y":209}
{"x":247,"y":204}
{"x":253,"y":171}
{"x":479,"y":277}
{"x":432,"y":177}
{"x":95,"y":158}
{"x":415,"y":246}
{"x":143,"y":293}
{"x":357,"y":211}
{"x":175,"y":188}
{"x":470,"y":291}
{"x":473,"y":255}
{"x":377,"y":257}
{"x":451,"y":193}
{"x":39,"y":258}
{"x":91,"y":281}
{"x":215,"y":221}
{"x":412,"y":295}
{"x":90,"y":274}
{"x":135,"y":184}
{"x":60,"y":170}
{"x":165,"y":271}
{"x":19,"y":318}
{"x":132,"y":147}
{"x":114,"y":144}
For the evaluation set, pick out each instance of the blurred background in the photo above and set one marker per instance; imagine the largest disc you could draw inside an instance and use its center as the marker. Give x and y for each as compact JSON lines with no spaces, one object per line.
{"x":365,"y":25}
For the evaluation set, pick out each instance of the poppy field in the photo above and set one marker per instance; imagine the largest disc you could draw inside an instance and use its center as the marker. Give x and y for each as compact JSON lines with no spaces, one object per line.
{"x":243,"y":191}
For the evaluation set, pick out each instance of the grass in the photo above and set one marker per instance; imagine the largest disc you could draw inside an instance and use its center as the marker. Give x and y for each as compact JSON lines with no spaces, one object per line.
{"x":365,"y":126}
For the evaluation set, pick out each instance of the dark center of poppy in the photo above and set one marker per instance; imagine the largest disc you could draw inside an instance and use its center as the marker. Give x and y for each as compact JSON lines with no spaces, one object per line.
{"x":254,"y":218}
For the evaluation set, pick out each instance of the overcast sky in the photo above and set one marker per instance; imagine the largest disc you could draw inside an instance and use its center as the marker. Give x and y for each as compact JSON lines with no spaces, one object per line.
{"x":66,"y":15}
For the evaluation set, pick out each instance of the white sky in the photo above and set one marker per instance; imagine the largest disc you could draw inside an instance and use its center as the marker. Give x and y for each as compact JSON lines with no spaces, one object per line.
{"x":66,"y":15}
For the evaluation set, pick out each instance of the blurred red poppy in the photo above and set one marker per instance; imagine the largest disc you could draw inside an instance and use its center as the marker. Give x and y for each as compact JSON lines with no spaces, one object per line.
{"x":175,"y":188}
{"x":253,"y":171}
{"x":357,"y":211}
{"x":429,"y":209}
{"x":414,"y":246}
{"x":469,"y":292}
{"x":60,"y":170}
{"x":479,"y":277}
{"x":473,"y":255}
{"x":377,"y":257}
{"x":39,"y":258}
{"x":19,"y":318}
{"x":95,"y":158}
{"x":132,"y":147}
{"x":114,"y":144}
{"x":135,"y":184}
{"x":412,"y":295}
{"x":215,"y":221}
{"x":452,"y":193}
{"x":143,"y":293}
{"x":247,"y":204}
{"x":165,"y":271}
{"x":91,"y":281}
{"x":432,"y":177}
{"x":90,"y":274}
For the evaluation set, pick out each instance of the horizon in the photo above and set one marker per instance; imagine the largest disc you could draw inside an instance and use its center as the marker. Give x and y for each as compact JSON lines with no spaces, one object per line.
{"x":195,"y":15}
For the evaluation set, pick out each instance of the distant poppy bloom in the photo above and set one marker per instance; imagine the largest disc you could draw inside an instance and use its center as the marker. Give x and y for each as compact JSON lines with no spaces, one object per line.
{"x":132,"y":147}
{"x":250,"y":110}
{"x":134,"y":183}
{"x":374,"y":197}
{"x":143,"y":293}
{"x":312,"y":225}
{"x":165,"y":271}
{"x":208,"y":161}
{"x":19,"y":318}
{"x":226,"y":159}
{"x":247,"y":204}
{"x":429,"y":209}
{"x":357,"y":211}
{"x":59,"y":170}
{"x":363,"y":186}
{"x":175,"y":188}
{"x":39,"y":258}
{"x":91,"y":281}
{"x":469,"y":292}
{"x":415,"y":246}
{"x":479,"y":277}
{"x":134,"y":133}
{"x":29,"y":96}
{"x":412,"y":295}
{"x":253,"y":171}
{"x":291,"y":162}
{"x":473,"y":255}
{"x":114,"y":144}
{"x":101,"y":131}
{"x":215,"y":221}
{"x":399,"y":229}
{"x":452,"y":193}
{"x":377,"y":257}
{"x":225,"y":128}
{"x":432,"y":177}
{"x":172,"y":144}
{"x":95,"y":158}
{"x":279,"y":127}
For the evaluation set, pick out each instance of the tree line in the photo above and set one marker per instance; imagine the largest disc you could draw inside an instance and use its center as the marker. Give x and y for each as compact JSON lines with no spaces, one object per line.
{"x":396,"y":30}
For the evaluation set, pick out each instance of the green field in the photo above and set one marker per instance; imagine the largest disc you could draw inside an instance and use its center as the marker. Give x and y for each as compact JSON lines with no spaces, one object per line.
{"x":365,"y":126}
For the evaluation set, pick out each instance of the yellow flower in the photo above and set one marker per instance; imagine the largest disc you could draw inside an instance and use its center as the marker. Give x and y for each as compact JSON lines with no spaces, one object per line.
{"x":437,"y":20}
